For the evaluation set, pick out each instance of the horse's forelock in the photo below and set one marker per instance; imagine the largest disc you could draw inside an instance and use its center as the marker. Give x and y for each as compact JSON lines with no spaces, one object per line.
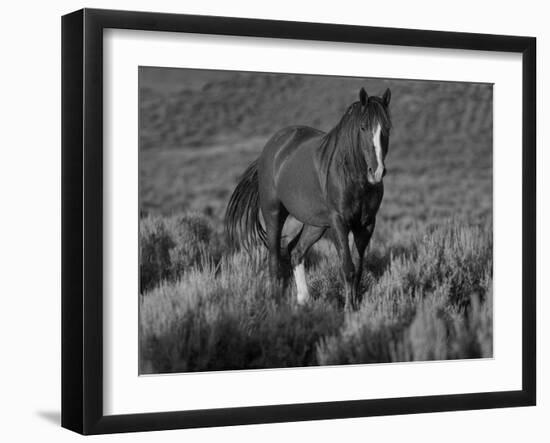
{"x":377,"y":114}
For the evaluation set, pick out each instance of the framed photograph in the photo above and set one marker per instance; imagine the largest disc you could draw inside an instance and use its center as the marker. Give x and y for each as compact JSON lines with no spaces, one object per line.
{"x":269,"y":221}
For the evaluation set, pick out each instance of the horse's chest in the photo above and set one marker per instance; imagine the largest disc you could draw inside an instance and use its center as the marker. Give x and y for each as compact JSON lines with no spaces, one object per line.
{"x":362,"y":205}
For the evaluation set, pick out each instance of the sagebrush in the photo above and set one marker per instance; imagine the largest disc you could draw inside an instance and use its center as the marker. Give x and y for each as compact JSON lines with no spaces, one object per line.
{"x":430,"y":301}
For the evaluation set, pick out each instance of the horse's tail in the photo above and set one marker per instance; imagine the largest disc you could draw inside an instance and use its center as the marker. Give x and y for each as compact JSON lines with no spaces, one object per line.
{"x":242,"y":217}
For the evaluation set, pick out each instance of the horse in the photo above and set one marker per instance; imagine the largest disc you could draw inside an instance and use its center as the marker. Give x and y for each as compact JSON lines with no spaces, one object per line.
{"x":327,"y":181}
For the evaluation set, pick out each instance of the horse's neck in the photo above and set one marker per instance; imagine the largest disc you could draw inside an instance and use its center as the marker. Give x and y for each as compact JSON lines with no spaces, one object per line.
{"x":339,"y":166}
{"x":349,"y":165}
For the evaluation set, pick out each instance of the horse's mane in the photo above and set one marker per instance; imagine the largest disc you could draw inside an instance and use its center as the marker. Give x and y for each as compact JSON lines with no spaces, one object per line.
{"x":340,"y":146}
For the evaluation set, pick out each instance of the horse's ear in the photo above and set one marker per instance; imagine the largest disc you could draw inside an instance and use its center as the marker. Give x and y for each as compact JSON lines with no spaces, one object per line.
{"x":387,"y":97}
{"x":363,"y":96}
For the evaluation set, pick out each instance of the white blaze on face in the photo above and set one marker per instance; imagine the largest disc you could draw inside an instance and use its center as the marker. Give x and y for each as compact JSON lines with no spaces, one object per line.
{"x":376,"y":140}
{"x":301,"y":285}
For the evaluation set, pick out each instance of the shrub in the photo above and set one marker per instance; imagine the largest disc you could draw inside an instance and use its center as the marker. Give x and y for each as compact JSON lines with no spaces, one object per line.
{"x":171,"y":246}
{"x":155,"y":243}
{"x":428,"y":297}
{"x":432,"y":303}
{"x":229,"y":317}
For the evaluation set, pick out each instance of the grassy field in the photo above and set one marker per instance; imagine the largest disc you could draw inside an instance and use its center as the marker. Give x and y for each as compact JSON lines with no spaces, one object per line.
{"x":427,"y":283}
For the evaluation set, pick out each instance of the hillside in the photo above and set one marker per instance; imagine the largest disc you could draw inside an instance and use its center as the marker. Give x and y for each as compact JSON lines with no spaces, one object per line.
{"x":249,"y":104}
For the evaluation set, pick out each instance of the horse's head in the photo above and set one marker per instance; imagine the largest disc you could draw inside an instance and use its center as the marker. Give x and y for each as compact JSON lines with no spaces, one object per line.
{"x":374,"y":135}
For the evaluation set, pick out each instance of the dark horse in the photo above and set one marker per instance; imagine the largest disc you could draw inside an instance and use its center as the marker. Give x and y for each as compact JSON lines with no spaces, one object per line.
{"x":326,"y":181}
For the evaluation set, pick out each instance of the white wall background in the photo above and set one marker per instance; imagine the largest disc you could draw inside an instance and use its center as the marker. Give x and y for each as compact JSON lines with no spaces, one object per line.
{"x":30,"y":223}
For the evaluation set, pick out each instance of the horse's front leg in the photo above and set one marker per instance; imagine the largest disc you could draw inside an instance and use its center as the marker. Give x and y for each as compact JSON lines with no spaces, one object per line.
{"x":348,"y":270}
{"x":362,"y":237}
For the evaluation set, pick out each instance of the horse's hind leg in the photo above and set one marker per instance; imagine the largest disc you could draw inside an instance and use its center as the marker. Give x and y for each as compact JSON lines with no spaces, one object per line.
{"x":298,"y":249}
{"x":274,"y":216}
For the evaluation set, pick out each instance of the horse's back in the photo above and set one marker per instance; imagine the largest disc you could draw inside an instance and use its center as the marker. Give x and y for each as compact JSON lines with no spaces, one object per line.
{"x":288,"y":139}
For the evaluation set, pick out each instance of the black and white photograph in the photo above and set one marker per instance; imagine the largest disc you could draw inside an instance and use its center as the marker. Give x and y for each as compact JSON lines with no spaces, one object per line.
{"x":291,"y":220}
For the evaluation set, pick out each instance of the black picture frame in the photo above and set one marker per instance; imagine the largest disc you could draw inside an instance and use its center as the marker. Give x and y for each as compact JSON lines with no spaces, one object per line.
{"x":82,"y":220}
